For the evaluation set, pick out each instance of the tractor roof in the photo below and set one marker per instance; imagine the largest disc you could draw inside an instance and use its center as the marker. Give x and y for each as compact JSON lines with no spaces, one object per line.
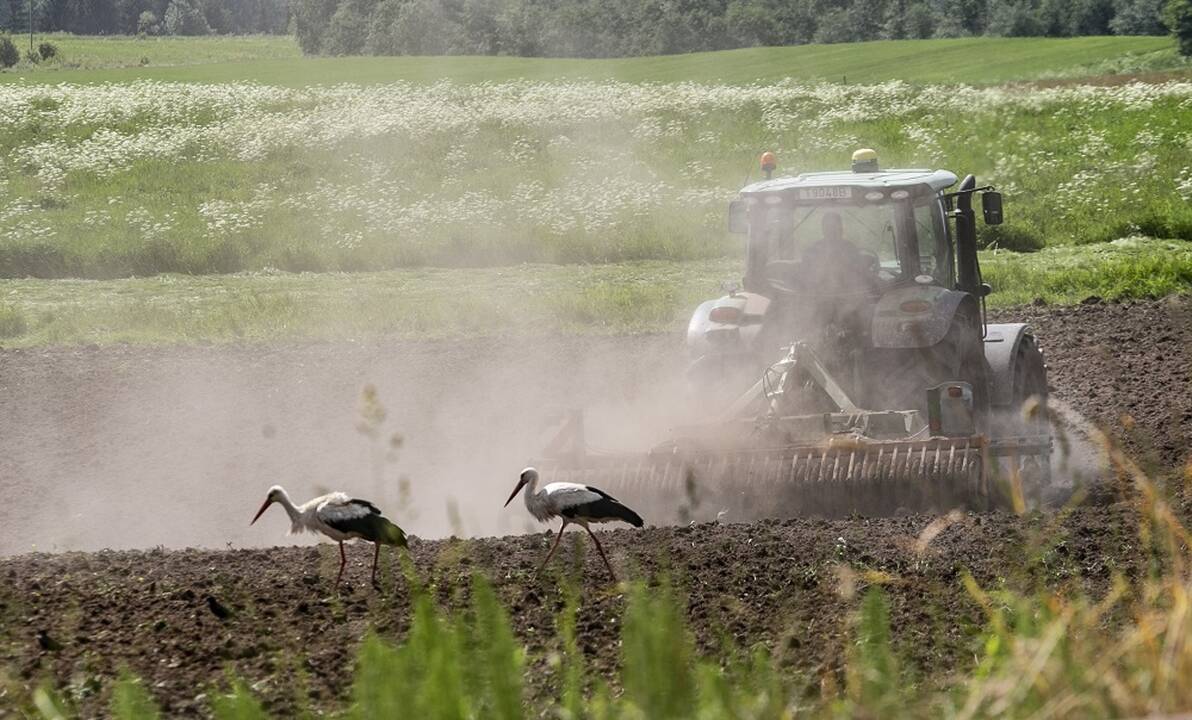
{"x":936,"y":179}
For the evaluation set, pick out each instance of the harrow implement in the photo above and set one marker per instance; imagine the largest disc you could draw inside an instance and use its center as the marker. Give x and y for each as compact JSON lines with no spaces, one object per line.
{"x":829,"y":464}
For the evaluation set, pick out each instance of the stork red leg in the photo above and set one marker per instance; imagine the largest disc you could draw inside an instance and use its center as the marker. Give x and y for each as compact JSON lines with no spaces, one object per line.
{"x":554,"y":547}
{"x":602,"y":555}
{"x":343,"y":560}
{"x":376,"y":557}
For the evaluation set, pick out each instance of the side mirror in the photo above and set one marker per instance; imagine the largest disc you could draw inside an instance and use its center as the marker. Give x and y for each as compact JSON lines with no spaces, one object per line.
{"x":738,"y":217}
{"x":991,"y":206}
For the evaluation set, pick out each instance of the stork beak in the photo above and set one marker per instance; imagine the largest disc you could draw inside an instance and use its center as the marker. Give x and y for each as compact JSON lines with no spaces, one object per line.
{"x":520,"y":484}
{"x":264,"y":507}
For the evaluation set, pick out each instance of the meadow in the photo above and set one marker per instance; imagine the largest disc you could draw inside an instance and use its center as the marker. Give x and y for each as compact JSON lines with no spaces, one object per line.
{"x":276,"y":60}
{"x":431,"y":303}
{"x":593,"y":173}
{"x":81,"y":53}
{"x":117,"y":180}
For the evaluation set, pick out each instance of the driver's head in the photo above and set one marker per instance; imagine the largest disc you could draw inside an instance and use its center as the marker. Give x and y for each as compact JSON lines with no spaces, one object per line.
{"x":832,"y":226}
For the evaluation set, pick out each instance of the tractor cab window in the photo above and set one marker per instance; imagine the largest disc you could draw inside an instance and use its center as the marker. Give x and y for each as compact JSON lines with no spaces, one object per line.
{"x":809,"y":244}
{"x":793,"y":231}
{"x":932,"y":239}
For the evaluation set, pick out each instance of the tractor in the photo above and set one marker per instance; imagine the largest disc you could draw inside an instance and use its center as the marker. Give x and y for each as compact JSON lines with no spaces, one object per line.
{"x":853,"y":369}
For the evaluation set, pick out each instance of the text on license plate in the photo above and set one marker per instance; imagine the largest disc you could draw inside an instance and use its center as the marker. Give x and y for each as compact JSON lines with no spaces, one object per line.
{"x":825,"y":193}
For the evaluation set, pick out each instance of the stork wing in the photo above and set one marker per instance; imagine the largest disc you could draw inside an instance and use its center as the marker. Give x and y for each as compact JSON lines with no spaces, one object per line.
{"x":565,"y":495}
{"x":585,"y":502}
{"x":344,"y":513}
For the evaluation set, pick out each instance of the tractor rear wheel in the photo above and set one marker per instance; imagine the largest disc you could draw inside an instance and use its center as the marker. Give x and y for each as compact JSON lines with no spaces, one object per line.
{"x":1025,"y":417}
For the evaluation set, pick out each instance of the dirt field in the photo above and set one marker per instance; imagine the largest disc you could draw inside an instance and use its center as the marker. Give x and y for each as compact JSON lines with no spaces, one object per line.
{"x":134,"y":448}
{"x":772,"y":582}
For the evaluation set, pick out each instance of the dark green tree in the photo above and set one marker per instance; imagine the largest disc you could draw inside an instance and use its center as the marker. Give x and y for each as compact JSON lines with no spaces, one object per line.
{"x":1138,"y":17}
{"x":865,"y":17}
{"x":920,"y":21}
{"x":1091,"y":17}
{"x":1178,"y":16}
{"x":9,"y":55}
{"x":749,"y":23}
{"x":381,"y":38}
{"x":1015,"y":19}
{"x":521,"y":25}
{"x":425,"y":27}
{"x":962,"y":18}
{"x":310,"y":20}
{"x":184,"y":18}
{"x":833,"y":27}
{"x":348,"y":29}
{"x":615,"y":28}
{"x":894,"y":22}
{"x":479,"y":24}
{"x":148,"y":24}
{"x":1054,"y":18}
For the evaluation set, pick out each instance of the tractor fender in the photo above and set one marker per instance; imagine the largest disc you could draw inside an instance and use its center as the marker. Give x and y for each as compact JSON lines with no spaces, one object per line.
{"x":916,"y":316}
{"x":706,"y":336}
{"x":1001,"y":352}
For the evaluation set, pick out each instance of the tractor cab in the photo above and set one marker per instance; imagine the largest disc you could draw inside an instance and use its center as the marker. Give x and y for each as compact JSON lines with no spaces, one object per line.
{"x":864,"y":266}
{"x":829,"y":234}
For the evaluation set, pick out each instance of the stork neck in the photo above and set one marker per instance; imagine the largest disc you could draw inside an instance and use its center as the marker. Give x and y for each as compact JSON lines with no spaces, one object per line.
{"x":531,"y":494}
{"x":291,"y":510}
{"x":532,"y":485}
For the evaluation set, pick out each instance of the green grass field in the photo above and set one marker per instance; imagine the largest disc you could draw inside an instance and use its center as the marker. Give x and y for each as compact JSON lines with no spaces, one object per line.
{"x":649,"y":296}
{"x":119,"y":180}
{"x":81,"y":53}
{"x":277,"y":61}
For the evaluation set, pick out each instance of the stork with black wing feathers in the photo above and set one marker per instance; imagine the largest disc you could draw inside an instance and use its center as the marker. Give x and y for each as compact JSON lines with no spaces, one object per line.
{"x":573,"y":503}
{"x":339,"y":517}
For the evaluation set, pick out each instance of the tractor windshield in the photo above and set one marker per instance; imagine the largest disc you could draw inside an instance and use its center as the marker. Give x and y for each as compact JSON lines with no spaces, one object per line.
{"x":859,"y":244}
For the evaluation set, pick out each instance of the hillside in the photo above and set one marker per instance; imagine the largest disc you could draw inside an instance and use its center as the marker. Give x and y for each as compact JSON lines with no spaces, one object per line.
{"x":274,"y":61}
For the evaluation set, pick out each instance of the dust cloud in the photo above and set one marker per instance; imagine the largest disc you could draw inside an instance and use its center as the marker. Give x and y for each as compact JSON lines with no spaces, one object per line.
{"x":128,"y":447}
{"x":135,"y":447}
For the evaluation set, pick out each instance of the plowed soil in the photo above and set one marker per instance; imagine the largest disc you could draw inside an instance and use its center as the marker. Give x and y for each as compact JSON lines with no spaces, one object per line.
{"x":133,"y":447}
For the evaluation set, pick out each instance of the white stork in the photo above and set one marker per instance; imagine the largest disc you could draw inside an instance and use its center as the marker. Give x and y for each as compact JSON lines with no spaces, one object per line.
{"x":340,"y":518}
{"x":573,"y":503}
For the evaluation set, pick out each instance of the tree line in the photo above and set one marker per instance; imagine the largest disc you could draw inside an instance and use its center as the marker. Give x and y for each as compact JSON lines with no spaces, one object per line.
{"x":616,"y":28}
{"x":149,"y":17}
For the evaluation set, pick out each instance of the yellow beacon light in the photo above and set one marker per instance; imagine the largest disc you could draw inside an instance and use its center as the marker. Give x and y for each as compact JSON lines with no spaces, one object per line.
{"x":865,"y":160}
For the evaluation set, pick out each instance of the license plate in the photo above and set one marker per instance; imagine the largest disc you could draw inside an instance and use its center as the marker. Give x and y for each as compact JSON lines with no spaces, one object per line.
{"x":826,"y":193}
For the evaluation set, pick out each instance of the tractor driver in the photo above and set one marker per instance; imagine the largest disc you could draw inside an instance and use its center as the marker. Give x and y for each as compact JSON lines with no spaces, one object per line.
{"x":845,"y":280}
{"x":837,"y":263}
